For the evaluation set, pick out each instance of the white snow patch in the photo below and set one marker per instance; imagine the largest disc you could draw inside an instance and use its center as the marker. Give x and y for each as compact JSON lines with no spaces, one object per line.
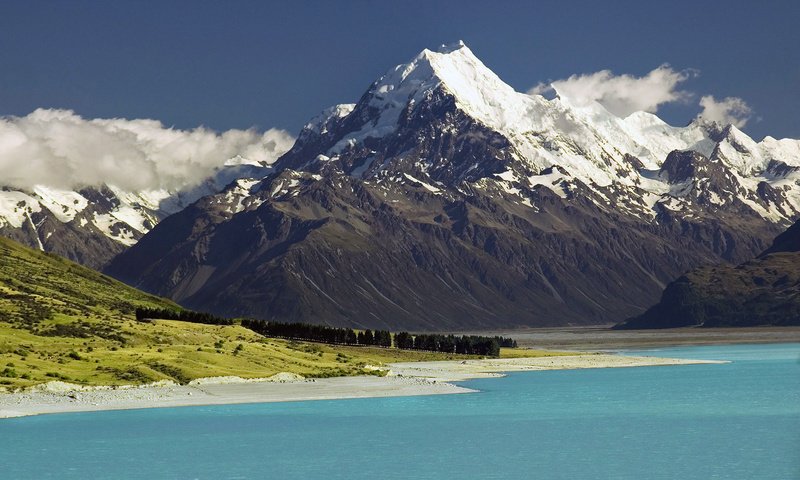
{"x":64,"y":204}
{"x":551,"y":180}
{"x":15,"y":207}
{"x":427,"y":186}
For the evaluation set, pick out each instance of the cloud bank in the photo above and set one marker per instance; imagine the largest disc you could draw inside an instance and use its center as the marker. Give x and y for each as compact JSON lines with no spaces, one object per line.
{"x":59,"y":149}
{"x":621,"y":94}
{"x":732,"y":110}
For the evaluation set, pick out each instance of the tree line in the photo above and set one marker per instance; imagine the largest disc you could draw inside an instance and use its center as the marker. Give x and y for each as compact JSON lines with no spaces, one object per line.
{"x":432,"y":342}
{"x":466,"y":344}
{"x":182,"y":315}
{"x":320,"y":333}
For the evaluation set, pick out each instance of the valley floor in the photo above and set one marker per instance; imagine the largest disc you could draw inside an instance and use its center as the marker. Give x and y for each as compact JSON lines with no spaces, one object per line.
{"x":404,"y":379}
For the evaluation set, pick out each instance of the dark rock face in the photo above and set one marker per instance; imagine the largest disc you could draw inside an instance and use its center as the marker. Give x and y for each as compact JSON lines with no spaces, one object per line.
{"x":763,"y":291}
{"x":345,"y":251}
{"x":788,"y":241}
{"x":435,"y":138}
{"x":684,"y":166}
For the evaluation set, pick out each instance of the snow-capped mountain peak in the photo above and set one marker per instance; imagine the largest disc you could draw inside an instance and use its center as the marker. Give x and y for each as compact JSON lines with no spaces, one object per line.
{"x":444,"y":194}
{"x":477,"y":90}
{"x":445,"y":118}
{"x":446,"y":124}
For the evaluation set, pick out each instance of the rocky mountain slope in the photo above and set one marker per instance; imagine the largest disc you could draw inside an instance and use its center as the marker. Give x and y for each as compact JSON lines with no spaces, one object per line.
{"x":444,"y":199}
{"x":93,"y":224}
{"x":762,"y":291}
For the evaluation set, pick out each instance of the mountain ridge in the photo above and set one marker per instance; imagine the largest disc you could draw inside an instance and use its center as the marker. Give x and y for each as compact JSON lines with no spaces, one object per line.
{"x":407,"y":210}
{"x":91,"y":225}
{"x":758,"y":292}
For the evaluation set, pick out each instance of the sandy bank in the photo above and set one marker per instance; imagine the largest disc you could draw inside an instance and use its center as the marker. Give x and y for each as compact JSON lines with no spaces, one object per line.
{"x":224,"y":392}
{"x":468,"y":369}
{"x":405,"y":379}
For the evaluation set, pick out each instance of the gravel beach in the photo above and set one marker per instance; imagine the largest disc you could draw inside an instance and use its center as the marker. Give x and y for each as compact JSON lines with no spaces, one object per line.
{"x":403,"y":379}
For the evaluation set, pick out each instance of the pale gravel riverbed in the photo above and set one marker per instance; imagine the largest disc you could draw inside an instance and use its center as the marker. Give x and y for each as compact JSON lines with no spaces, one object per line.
{"x":404,"y":379}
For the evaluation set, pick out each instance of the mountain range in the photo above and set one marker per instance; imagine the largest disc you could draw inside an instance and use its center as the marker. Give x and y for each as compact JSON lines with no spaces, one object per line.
{"x":91,"y":225}
{"x":761,"y":291}
{"x":443,"y":199}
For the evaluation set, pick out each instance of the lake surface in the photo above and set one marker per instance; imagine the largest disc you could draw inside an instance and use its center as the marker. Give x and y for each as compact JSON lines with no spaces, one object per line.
{"x":734,"y":421}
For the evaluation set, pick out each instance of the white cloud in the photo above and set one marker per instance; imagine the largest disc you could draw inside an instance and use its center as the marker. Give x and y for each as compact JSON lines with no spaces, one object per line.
{"x":621,"y":94}
{"x":728,"y":110}
{"x":59,"y":149}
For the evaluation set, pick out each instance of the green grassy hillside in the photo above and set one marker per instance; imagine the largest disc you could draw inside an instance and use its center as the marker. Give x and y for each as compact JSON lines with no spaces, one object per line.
{"x":45,"y":294}
{"x":62,"y":321}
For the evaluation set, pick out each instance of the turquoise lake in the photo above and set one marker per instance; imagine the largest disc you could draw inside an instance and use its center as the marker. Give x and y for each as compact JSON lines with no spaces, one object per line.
{"x":734,"y":421}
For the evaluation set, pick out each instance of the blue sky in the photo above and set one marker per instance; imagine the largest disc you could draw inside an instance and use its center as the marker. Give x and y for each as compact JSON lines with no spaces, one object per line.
{"x":238,"y":64}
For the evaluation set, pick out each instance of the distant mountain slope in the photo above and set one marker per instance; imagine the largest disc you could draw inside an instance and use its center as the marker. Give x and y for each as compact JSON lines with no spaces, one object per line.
{"x":788,"y":241}
{"x":93,"y":224}
{"x":763,"y":291}
{"x":443,"y":199}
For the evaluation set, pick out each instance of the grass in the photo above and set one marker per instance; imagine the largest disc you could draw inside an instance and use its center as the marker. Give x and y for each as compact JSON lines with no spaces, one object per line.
{"x":62,"y":321}
{"x":39,"y":291}
{"x":179,"y":351}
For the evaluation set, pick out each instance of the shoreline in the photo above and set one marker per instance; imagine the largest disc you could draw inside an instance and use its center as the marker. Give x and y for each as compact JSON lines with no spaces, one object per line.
{"x":403,"y":379}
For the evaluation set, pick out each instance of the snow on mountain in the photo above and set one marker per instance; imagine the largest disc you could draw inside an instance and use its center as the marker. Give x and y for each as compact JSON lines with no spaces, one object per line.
{"x":88,"y":188}
{"x":322,"y":122}
{"x":446,"y":123}
{"x":444,"y":199}
{"x":589,"y":146}
{"x":121,"y":216}
{"x":545,"y":133}
{"x":16,"y":208}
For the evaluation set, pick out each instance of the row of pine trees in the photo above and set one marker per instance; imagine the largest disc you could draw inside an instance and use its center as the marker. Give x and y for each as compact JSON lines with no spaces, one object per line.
{"x":432,"y":342}
{"x":143,"y":314}
{"x":466,"y":344}
{"x":320,"y":333}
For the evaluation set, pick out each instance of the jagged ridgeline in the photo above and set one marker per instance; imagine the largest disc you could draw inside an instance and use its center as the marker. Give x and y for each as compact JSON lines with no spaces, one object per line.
{"x":93,"y":224}
{"x":443,"y":200}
